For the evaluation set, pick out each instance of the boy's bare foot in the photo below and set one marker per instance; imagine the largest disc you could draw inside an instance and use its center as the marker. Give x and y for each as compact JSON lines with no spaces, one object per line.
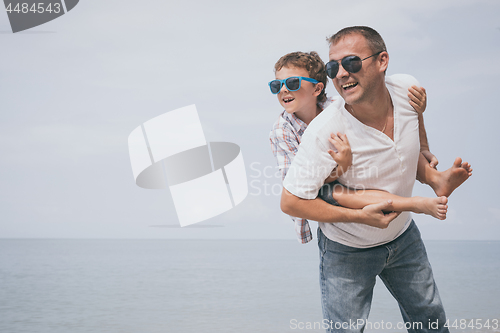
{"x":432,"y":206}
{"x":450,"y":179}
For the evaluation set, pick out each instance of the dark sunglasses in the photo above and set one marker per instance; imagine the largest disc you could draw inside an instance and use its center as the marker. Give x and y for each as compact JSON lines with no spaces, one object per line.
{"x":352,"y":64}
{"x":291,"y":83}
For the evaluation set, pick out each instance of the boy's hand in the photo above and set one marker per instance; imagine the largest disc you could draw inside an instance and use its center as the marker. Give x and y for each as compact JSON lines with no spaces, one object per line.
{"x":433,"y":161}
{"x":343,"y":156}
{"x":418,"y":98}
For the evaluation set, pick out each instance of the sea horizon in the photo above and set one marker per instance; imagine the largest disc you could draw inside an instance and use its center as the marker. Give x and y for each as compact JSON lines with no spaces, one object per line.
{"x":178,"y":285}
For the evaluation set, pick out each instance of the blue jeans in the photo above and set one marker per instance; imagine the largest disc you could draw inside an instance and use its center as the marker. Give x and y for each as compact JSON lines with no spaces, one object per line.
{"x":347,"y":278}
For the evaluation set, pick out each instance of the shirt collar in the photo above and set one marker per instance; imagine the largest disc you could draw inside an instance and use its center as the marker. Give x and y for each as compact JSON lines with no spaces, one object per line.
{"x":296,"y":122}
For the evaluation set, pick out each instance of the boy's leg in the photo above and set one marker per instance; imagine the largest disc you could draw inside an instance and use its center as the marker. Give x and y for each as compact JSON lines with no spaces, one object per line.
{"x":358,"y":199}
{"x":408,"y":276}
{"x":347,"y":278}
{"x":443,"y":182}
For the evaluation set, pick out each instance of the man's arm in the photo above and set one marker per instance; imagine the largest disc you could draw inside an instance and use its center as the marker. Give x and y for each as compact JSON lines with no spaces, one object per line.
{"x":424,"y":144}
{"x":319,"y":210}
{"x":418,"y":100}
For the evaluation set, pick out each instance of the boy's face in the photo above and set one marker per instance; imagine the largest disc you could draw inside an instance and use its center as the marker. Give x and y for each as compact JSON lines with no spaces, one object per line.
{"x":301,"y":100}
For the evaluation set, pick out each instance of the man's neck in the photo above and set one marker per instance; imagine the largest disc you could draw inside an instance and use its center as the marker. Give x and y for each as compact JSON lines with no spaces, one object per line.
{"x":373,"y":111}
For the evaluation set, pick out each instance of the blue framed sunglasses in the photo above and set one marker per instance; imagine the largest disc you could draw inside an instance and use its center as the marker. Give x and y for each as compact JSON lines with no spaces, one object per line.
{"x":291,"y":83}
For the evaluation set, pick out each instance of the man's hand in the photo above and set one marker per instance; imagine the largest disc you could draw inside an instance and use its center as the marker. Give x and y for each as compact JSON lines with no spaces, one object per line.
{"x":375,"y":216}
{"x":433,"y":161}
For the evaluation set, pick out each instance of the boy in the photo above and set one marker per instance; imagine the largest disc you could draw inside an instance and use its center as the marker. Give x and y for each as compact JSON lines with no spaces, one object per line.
{"x":300,"y":86}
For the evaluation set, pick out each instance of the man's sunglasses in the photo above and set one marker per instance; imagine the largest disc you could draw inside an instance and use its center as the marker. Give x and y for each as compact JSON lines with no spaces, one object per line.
{"x":292,"y":83}
{"x":352,"y":64}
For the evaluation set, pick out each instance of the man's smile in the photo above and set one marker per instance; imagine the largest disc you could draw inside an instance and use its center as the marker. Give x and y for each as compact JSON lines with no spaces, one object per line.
{"x":350,"y":85}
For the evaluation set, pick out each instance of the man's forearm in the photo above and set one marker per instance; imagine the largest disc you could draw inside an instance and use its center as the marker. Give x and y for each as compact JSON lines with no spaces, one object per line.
{"x":317,"y":210}
{"x":321,"y":211}
{"x":424,"y":144}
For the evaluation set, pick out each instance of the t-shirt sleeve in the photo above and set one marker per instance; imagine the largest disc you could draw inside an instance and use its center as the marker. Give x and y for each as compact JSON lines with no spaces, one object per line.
{"x":311,"y":166}
{"x":402,"y":82}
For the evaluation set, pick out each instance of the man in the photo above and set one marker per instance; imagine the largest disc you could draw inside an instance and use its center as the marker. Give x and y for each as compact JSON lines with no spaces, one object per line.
{"x":357,"y":245}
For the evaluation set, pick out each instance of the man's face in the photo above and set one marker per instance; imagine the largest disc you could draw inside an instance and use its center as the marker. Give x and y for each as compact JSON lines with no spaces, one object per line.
{"x":356,"y":88}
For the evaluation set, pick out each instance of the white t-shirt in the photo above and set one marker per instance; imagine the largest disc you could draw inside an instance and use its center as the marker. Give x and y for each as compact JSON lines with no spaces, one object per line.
{"x":378,"y":162}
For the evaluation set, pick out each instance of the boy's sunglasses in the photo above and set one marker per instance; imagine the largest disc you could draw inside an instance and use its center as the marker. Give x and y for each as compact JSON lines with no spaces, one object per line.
{"x":352,"y":64}
{"x":292,"y":83}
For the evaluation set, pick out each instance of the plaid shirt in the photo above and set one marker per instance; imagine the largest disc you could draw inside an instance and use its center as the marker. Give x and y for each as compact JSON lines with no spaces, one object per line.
{"x":285,"y":139}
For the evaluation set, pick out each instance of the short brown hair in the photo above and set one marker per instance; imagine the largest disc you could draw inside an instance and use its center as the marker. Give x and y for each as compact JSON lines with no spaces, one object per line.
{"x":311,"y":62}
{"x":375,"y":41}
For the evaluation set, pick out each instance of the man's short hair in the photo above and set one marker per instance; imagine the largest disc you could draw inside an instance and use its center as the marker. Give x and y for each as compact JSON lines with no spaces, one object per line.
{"x":311,"y":62}
{"x":375,"y":41}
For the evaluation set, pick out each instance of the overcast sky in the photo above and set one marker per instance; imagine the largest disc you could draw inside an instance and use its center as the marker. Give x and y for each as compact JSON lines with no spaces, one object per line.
{"x":73,"y":89}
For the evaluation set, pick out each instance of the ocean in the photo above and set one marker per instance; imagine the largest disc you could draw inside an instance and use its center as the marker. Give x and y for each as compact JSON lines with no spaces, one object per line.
{"x":152,"y":286}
